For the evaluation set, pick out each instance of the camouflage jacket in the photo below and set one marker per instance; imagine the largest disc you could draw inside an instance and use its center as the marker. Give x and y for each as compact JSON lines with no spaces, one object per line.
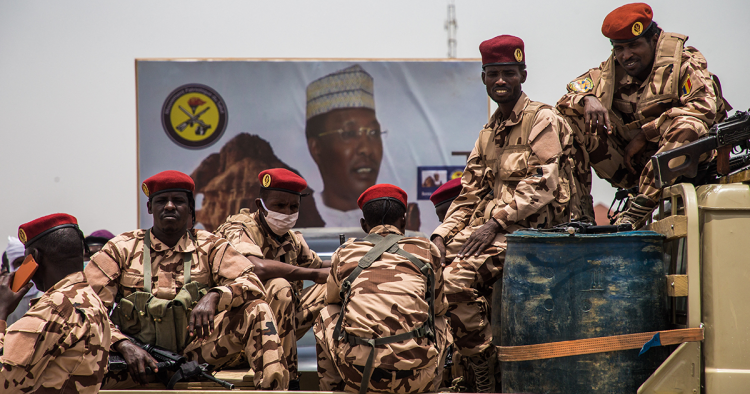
{"x":117,"y":269}
{"x":657,"y":104}
{"x":388,"y":298}
{"x":60,"y":345}
{"x":519,"y":172}
{"x":246,"y":233}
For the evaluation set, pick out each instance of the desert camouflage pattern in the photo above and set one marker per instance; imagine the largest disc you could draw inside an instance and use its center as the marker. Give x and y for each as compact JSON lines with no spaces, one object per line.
{"x":671,"y":109}
{"x":243,"y":322}
{"x":522,"y":181}
{"x":60,"y":345}
{"x":388,"y":298}
{"x":294,"y":308}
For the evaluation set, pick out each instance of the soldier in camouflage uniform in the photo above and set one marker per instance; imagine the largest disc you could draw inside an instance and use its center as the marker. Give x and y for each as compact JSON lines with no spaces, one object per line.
{"x":282,"y":258}
{"x":518,"y":176}
{"x":61,"y":344}
{"x":652,"y":95}
{"x":391,"y":297}
{"x":230,"y":318}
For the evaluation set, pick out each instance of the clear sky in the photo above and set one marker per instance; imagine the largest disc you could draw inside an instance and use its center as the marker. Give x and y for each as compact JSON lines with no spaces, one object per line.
{"x":67,"y":75}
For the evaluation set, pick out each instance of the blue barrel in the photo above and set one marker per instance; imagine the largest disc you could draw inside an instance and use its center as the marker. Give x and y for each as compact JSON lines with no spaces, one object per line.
{"x":560,"y":287}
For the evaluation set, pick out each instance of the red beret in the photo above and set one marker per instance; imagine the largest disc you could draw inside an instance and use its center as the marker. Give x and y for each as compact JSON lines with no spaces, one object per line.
{"x":446,"y":193}
{"x":34,"y":229}
{"x":628,"y":22}
{"x":382,"y":191}
{"x":283,"y":180}
{"x":168,"y":181}
{"x":502,"y":50}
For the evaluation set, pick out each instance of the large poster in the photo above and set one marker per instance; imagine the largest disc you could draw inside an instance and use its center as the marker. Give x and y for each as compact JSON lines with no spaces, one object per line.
{"x":342,"y":125}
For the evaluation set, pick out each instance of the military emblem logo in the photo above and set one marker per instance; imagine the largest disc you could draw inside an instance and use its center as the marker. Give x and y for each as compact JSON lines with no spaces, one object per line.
{"x":267,"y":180}
{"x":145,"y":189}
{"x":518,"y":53}
{"x":22,"y":236}
{"x":637,"y":28}
{"x":194,"y":116}
{"x":457,"y":174}
{"x":582,"y":85}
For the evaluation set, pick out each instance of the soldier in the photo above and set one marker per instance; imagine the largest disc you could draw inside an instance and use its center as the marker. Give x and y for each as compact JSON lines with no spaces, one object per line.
{"x":444,"y":196}
{"x":171,"y":280}
{"x":383,"y":329}
{"x":652,"y":95}
{"x":282,"y":258}
{"x":518,"y":176}
{"x":61,"y":344}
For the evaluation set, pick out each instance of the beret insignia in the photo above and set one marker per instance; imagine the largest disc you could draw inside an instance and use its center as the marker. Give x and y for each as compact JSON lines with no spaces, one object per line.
{"x":518,"y":54}
{"x":637,"y":28}
{"x":583,"y":85}
{"x":145,"y":189}
{"x":22,"y":236}
{"x":267,"y":180}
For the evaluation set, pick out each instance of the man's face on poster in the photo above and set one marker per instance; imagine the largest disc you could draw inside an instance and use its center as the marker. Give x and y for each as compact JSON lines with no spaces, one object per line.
{"x":348,"y":148}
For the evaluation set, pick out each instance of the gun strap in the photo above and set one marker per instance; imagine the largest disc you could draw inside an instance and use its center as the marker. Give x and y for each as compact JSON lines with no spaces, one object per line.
{"x":186,"y":256}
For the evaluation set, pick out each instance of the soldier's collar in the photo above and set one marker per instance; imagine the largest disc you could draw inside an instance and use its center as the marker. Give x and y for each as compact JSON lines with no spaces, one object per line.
{"x":185,"y":244}
{"x":385,"y":229}
{"x":515,"y":116}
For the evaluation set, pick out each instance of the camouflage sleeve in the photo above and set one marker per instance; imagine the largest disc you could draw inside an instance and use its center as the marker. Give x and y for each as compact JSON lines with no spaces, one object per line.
{"x":238,"y":237}
{"x":307,"y":258}
{"x":547,"y":138}
{"x":571,"y":104}
{"x":333,"y":285}
{"x":441,"y":302}
{"x":233,"y":274}
{"x":102,"y":273}
{"x":698,"y":107}
{"x":463,"y":206}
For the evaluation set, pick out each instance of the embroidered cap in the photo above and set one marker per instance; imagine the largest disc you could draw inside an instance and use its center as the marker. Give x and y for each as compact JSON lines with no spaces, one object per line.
{"x":351,"y":87}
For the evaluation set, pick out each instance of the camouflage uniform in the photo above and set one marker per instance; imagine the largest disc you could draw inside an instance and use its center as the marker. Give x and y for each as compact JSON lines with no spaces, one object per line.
{"x":294,"y":308}
{"x":672,"y":109}
{"x":60,"y":345}
{"x":388,"y":298}
{"x":522,"y":181}
{"x":244,"y":321}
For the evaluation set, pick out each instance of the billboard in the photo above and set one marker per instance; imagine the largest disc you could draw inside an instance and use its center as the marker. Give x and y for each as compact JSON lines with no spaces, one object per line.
{"x":343,"y":125}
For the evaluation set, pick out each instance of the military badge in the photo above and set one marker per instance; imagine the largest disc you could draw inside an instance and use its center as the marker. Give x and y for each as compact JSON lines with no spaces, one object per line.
{"x":686,"y":88}
{"x":457,"y":174}
{"x":145,"y":189}
{"x":194,"y":116}
{"x":267,"y":180}
{"x":637,"y":29}
{"x":583,"y":85}
{"x":518,"y":53}
{"x":22,"y":236}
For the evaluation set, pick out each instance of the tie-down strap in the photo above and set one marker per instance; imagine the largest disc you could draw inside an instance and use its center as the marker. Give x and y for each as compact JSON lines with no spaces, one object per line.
{"x":643,"y":340}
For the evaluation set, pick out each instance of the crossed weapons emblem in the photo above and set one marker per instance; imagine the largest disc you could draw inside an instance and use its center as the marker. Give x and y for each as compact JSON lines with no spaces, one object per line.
{"x":194,"y":118}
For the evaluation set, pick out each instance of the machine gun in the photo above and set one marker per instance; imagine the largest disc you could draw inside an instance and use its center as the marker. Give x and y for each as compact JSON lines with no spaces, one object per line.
{"x":168,"y":361}
{"x":724,"y":137}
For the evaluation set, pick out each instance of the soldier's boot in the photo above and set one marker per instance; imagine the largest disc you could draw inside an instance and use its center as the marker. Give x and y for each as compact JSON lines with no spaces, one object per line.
{"x":639,"y":210}
{"x":483,"y":367}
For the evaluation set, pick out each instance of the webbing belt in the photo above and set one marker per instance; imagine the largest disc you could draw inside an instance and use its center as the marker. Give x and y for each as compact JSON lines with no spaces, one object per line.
{"x":382,"y":245}
{"x":596,"y":345}
{"x":187,"y":257}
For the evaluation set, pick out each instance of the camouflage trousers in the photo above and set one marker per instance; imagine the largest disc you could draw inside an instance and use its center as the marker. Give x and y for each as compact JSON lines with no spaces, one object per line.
{"x":606,"y":154}
{"x":249,"y":328}
{"x":468,"y":285}
{"x":294,"y":315}
{"x":336,"y":374}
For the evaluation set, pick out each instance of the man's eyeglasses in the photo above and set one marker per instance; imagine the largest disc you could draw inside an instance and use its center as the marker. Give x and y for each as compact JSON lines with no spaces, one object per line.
{"x":348,"y":135}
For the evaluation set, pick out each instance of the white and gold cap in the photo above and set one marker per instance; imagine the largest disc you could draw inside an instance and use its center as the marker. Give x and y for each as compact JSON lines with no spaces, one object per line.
{"x":351,"y":87}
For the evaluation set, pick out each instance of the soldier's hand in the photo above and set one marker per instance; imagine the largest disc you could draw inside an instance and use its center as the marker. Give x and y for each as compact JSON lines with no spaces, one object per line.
{"x":9,"y":299}
{"x":137,"y":360}
{"x":201,"y":323}
{"x":595,"y":116}
{"x":440,"y":243}
{"x":321,"y":275}
{"x":634,"y":148}
{"x":480,"y":239}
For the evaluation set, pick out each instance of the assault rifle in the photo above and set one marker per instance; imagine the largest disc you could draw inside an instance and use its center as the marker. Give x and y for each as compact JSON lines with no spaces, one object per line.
{"x":724,"y":137}
{"x":168,"y":361}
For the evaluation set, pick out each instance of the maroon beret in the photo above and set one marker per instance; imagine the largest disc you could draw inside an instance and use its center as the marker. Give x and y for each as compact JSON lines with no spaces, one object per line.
{"x":628,"y":22}
{"x":447,"y":192}
{"x":382,"y":191}
{"x":502,"y":50}
{"x":31,"y":231}
{"x":168,"y":181}
{"x":283,"y":180}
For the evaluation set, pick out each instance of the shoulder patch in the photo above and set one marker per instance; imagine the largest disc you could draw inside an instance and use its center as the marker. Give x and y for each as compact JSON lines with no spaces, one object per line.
{"x":686,"y":87}
{"x":583,"y":85}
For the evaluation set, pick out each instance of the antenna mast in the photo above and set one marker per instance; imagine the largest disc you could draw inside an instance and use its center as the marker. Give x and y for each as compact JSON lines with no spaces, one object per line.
{"x":451,"y":26}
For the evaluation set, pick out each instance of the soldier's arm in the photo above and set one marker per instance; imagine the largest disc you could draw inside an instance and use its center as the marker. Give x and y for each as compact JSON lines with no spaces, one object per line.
{"x":572,"y":103}
{"x":441,"y":302}
{"x":698,"y":101}
{"x":307,"y":257}
{"x":233,"y":275}
{"x":102,"y":273}
{"x":333,"y":287}
{"x":463,"y":206}
{"x":538,"y":188}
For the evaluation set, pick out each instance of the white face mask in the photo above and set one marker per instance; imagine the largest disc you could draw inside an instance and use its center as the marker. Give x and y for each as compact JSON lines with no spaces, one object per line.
{"x":279,"y":222}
